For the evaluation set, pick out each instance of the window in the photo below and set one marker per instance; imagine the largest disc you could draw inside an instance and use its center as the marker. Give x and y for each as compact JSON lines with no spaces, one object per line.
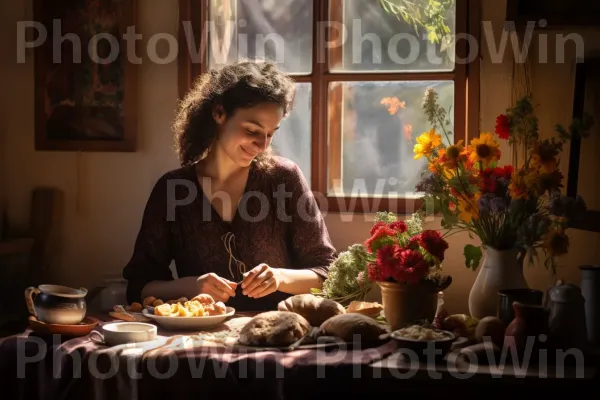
{"x":362,"y":68}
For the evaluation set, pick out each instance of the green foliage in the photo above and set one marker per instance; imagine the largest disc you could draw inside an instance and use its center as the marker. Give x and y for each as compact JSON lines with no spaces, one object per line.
{"x":385,"y":217}
{"x":428,"y":16}
{"x":415,"y":224}
{"x":473,"y":256}
{"x":342,"y":283}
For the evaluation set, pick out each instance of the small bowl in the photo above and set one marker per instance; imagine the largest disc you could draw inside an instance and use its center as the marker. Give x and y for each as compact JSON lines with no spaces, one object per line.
{"x":425,"y":349}
{"x":118,"y":333}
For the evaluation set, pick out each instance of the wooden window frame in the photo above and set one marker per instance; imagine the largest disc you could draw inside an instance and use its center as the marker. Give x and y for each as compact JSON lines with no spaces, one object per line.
{"x":325,"y":119}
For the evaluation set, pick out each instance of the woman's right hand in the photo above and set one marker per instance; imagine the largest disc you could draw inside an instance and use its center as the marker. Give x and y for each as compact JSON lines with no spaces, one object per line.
{"x":219,"y":288}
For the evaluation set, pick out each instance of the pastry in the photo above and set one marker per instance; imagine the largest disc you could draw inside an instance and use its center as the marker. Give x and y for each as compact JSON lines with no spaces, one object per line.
{"x":274,"y":328}
{"x":366,"y":308}
{"x":346,"y":326}
{"x":315,"y":309}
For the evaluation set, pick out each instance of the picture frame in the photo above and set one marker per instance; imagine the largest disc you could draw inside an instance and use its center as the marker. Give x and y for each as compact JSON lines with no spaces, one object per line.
{"x":583,"y":161}
{"x":85,"y":86}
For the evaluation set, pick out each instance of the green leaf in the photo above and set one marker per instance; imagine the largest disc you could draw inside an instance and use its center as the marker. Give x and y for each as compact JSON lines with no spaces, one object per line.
{"x":473,"y":256}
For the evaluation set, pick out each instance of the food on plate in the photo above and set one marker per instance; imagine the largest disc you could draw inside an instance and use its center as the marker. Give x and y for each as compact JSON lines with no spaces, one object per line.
{"x":200,"y":306}
{"x":370,"y":309}
{"x":148,"y":301}
{"x":419,"y":332}
{"x":315,"y":310}
{"x":492,"y":328}
{"x":347,"y":326}
{"x":204,"y":299}
{"x":461,"y":325}
{"x":134,"y":307}
{"x":274,"y":328}
{"x":179,"y":300}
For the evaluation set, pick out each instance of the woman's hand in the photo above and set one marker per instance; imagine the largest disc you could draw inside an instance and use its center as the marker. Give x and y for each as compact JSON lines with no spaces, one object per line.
{"x":261,"y":281}
{"x":219,"y":288}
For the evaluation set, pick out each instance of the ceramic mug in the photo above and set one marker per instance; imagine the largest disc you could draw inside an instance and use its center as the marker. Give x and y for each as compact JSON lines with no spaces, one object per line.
{"x":55,"y":304}
{"x":507,"y":297}
{"x":118,"y":333}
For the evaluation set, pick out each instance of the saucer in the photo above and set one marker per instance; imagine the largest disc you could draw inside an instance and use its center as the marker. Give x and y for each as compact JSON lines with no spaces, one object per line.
{"x":81,"y":329}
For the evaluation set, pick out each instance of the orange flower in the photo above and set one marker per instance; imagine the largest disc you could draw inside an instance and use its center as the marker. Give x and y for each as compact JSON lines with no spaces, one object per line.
{"x":544,"y":156}
{"x":408,"y":130}
{"x":393,"y":104}
{"x":557,"y":242}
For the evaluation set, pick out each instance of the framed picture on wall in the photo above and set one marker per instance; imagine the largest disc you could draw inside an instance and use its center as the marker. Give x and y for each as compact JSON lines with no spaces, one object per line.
{"x":85,"y":87}
{"x":584,"y":162}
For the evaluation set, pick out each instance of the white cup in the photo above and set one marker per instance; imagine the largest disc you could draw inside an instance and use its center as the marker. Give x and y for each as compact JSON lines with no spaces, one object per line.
{"x":124,"y":332}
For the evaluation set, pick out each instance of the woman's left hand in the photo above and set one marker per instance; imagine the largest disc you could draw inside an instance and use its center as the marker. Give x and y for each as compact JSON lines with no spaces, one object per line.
{"x":262,"y":280}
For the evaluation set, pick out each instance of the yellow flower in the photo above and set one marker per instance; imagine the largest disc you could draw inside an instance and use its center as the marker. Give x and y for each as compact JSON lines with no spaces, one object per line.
{"x":426,"y":144}
{"x":449,"y":157}
{"x":484,"y":149}
{"x":518,"y":187}
{"x":468,"y":208}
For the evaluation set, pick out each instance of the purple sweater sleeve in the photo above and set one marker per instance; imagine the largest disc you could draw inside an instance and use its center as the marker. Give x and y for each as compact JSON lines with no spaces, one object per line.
{"x":311,"y":244}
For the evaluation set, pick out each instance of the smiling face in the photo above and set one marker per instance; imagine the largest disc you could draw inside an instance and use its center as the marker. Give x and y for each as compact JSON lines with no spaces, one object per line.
{"x":248,"y":132}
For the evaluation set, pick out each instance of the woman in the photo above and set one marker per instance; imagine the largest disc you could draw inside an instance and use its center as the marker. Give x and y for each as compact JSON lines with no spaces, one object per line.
{"x":240,"y":224}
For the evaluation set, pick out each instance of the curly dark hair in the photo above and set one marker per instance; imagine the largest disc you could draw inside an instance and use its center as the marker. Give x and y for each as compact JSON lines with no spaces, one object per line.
{"x":240,"y":85}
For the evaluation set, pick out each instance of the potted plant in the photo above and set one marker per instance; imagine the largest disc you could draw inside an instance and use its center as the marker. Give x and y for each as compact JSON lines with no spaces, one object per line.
{"x":514,"y":210}
{"x":406,"y":261}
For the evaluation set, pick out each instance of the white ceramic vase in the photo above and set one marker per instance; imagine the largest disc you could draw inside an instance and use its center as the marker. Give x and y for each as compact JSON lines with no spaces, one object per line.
{"x":500,"y":270}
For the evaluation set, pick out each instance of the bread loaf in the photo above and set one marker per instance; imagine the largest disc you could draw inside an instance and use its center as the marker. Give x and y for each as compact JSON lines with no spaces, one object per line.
{"x":346,"y":326}
{"x":274,"y":328}
{"x":315,"y":309}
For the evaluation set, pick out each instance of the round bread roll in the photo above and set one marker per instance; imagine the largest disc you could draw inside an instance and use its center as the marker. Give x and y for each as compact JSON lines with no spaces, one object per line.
{"x":315,"y":309}
{"x":345,"y":326}
{"x":274,"y":328}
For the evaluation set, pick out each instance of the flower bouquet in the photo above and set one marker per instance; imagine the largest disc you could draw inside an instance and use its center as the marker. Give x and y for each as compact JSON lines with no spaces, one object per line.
{"x":515,"y":210}
{"x":505,"y":207}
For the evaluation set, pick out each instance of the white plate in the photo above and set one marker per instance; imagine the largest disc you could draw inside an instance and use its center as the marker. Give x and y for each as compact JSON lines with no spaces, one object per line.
{"x":190,"y":323}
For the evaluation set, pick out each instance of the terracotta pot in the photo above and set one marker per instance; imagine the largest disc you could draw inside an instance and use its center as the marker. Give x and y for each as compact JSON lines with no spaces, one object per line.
{"x":500,"y":270}
{"x":528,"y":332}
{"x":403,"y":303}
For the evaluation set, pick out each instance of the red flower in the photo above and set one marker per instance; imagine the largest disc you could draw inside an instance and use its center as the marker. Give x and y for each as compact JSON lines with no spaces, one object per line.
{"x":374,"y":273}
{"x":377,"y":238}
{"x":502,"y":127}
{"x":394,"y":263}
{"x":399,"y":226}
{"x":376,"y":226}
{"x":433,"y":242}
{"x":413,"y":266}
{"x":387,"y":261}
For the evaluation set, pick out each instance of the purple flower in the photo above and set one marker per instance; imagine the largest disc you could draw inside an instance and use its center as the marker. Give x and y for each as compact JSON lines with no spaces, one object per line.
{"x":429,"y":184}
{"x":484,"y":203}
{"x":498,"y":204}
{"x":564,"y":206}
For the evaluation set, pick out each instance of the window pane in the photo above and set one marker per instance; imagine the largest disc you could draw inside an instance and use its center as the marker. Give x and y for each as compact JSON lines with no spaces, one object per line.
{"x":293,"y":139}
{"x":280,"y":30}
{"x":376,"y":142}
{"x":379,"y":38}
